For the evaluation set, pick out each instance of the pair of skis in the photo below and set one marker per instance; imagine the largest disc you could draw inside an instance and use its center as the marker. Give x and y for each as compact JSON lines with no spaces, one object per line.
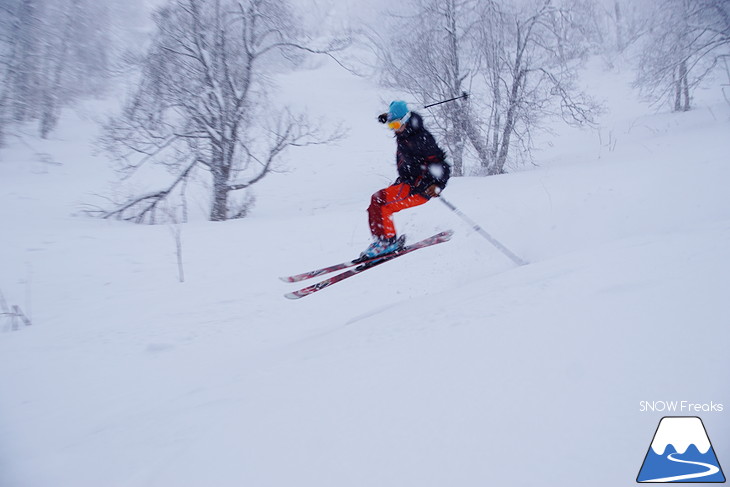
{"x":359,"y":265}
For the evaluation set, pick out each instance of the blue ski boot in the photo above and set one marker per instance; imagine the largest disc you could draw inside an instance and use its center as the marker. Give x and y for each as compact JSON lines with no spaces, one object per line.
{"x":384,"y":246}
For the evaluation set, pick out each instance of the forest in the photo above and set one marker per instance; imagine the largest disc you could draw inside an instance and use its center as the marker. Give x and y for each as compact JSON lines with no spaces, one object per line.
{"x":202,"y":75}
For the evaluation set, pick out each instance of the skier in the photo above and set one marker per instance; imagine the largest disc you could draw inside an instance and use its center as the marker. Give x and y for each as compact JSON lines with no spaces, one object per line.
{"x":422,"y":175}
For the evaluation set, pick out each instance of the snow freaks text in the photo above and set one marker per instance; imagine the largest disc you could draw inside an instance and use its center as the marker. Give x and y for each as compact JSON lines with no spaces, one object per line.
{"x":680,"y":407}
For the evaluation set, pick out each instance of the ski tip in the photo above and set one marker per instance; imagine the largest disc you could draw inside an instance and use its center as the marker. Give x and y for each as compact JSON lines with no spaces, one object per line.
{"x":287,"y":279}
{"x":292,"y":296}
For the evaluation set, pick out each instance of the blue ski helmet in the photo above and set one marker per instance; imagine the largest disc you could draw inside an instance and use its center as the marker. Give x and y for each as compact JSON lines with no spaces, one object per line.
{"x":397,"y":110}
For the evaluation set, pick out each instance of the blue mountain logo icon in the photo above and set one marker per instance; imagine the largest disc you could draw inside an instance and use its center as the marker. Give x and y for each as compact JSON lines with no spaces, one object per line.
{"x":681,"y":452}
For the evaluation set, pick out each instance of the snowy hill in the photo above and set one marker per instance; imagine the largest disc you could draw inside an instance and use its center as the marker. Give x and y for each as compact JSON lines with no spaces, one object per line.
{"x":446,"y":367}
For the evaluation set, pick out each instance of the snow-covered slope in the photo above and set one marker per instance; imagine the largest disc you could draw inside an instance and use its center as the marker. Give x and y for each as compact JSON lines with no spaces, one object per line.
{"x":446,"y":367}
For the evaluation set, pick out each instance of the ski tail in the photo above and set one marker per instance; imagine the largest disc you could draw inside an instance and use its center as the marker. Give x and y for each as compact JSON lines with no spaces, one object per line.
{"x":318,"y":272}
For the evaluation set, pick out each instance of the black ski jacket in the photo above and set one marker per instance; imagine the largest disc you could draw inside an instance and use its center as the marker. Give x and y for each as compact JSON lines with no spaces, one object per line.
{"x":420,"y":160}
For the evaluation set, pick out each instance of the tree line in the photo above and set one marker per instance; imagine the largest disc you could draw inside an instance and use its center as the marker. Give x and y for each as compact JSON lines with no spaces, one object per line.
{"x":202,"y":108}
{"x":520,"y":59}
{"x":52,"y":53}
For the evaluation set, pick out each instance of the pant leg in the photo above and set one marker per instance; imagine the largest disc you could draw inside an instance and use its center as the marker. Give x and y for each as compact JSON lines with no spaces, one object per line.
{"x":386,"y":202}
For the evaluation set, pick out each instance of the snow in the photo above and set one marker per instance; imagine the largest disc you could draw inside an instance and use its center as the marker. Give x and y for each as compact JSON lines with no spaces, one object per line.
{"x":450,"y":366}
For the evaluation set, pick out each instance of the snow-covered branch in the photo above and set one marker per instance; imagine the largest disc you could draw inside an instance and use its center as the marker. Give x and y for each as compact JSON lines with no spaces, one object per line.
{"x":204,"y":84}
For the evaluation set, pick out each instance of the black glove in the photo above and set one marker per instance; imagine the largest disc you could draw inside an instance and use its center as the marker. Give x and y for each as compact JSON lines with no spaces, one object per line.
{"x":383,"y":117}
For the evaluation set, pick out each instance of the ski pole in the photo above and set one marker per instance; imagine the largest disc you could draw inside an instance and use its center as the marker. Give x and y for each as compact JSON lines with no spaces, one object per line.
{"x":484,"y":233}
{"x":464,"y":94}
{"x":383,"y":118}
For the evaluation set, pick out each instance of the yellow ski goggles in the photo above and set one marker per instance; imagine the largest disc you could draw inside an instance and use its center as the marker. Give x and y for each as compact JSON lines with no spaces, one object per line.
{"x":400,"y":123}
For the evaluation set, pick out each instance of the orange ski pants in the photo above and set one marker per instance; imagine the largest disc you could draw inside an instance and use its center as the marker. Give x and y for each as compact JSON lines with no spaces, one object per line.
{"x":388,"y":201}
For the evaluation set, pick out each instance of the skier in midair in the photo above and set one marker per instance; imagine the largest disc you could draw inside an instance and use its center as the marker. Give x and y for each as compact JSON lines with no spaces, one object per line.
{"x":422,"y":175}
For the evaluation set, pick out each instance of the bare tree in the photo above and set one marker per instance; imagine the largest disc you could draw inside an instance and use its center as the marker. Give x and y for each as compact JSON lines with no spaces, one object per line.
{"x":620,"y":23}
{"x":686,"y":42}
{"x":531,"y":62}
{"x":74,"y":57}
{"x":52,"y":52}
{"x":201,"y":102}
{"x":518,"y":59}
{"x":18,"y":35}
{"x":726,"y":65}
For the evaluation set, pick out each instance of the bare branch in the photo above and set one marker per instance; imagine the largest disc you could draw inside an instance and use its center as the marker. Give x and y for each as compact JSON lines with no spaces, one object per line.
{"x":143,"y":207}
{"x":204,"y":82}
